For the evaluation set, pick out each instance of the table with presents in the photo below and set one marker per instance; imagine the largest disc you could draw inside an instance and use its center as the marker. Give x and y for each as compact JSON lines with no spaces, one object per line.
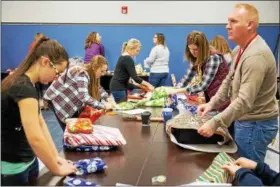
{"x":112,"y":148}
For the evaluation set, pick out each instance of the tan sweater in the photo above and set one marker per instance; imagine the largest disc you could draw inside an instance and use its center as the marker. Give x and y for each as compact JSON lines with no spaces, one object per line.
{"x":251,"y":87}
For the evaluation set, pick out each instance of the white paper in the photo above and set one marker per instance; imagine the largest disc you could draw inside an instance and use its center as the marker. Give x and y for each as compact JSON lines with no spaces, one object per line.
{"x":121,"y":184}
{"x":134,"y":111}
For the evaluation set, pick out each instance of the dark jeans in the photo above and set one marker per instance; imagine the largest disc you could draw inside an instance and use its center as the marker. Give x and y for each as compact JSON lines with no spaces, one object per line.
{"x":119,"y":95}
{"x":158,"y":79}
{"x":25,"y":178}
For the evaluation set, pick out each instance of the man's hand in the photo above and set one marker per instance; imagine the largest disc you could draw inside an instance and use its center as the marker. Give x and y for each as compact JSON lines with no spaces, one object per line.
{"x":203,"y":109}
{"x":207,"y":130}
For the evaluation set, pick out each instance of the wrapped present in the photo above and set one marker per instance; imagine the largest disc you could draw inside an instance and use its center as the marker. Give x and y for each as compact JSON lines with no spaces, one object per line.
{"x":87,"y":166}
{"x":102,"y":135}
{"x":215,"y":173}
{"x":196,"y":99}
{"x":182,"y":130}
{"x":73,"y":181}
{"x":159,"y":98}
{"x":91,"y":113}
{"x":125,"y":106}
{"x":88,"y":148}
{"x":79,"y":125}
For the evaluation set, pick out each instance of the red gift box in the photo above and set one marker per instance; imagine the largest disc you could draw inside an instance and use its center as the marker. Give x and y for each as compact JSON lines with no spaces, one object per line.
{"x":91,"y":113}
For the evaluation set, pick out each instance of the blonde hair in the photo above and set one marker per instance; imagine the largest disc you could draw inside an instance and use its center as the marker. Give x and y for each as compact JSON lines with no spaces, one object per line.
{"x":96,"y":62}
{"x":253,"y":13}
{"x":131,"y":44}
{"x":220,"y":44}
{"x":91,"y":38}
{"x":199,"y":39}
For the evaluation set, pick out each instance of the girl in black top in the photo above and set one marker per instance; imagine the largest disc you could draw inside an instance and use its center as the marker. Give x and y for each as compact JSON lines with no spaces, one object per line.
{"x":24,"y":132}
{"x":125,"y":69}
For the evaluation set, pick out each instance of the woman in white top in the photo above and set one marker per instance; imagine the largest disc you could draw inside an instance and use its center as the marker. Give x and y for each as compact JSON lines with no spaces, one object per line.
{"x":219,"y":44}
{"x":158,"y":61}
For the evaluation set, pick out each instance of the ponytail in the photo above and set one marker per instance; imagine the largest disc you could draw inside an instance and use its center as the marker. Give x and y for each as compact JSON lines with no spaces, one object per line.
{"x":124,"y":47}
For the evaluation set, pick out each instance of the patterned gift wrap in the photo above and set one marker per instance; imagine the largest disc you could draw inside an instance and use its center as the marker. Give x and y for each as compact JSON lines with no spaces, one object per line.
{"x":87,"y":166}
{"x":215,"y":173}
{"x":89,"y":148}
{"x":72,"y":181}
{"x":187,"y":120}
{"x":102,"y":135}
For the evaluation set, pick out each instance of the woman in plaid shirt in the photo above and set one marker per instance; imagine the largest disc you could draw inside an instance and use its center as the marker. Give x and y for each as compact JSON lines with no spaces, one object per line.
{"x":210,"y":68}
{"x":78,"y":87}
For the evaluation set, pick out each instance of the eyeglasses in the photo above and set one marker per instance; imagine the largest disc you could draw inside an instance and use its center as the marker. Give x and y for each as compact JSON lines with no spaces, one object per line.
{"x":56,"y":71}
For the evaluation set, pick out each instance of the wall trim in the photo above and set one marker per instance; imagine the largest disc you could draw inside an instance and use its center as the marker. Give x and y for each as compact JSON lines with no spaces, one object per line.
{"x":144,"y":24}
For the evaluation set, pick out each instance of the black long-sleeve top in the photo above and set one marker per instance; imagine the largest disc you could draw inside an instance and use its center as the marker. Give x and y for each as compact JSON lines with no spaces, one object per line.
{"x":125,"y":69}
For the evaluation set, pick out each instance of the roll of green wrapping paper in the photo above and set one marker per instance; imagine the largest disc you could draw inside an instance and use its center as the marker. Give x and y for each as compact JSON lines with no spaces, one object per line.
{"x":215,"y":173}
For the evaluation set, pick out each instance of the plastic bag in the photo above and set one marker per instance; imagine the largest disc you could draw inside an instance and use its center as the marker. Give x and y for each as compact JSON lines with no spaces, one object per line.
{"x":79,"y":125}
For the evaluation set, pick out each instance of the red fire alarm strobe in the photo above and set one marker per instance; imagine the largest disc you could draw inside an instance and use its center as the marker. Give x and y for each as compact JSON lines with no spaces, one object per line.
{"x":124,"y":9}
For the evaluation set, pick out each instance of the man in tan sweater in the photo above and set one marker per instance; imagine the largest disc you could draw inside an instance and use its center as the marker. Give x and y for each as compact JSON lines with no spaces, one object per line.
{"x":251,"y":86}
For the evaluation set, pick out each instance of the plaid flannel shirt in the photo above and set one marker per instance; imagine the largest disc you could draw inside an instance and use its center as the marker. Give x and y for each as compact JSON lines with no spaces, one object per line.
{"x":72,"y":95}
{"x":212,"y":66}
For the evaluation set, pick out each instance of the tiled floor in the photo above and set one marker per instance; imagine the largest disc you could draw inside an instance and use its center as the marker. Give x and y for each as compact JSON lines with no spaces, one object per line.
{"x":271,"y":158}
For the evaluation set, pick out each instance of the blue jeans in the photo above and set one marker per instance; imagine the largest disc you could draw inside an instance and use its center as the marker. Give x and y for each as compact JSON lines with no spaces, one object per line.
{"x":253,"y":137}
{"x":25,"y":178}
{"x":119,"y":95}
{"x":158,"y":79}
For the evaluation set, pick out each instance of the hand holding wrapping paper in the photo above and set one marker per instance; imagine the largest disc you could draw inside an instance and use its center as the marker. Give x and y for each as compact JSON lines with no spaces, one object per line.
{"x":184,"y":128}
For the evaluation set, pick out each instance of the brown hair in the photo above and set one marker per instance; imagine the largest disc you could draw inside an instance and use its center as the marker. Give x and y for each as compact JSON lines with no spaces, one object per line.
{"x":199,"y":39}
{"x":43,"y":47}
{"x":160,"y":39}
{"x":91,"y":39}
{"x":220,"y":44}
{"x":97,"y":62}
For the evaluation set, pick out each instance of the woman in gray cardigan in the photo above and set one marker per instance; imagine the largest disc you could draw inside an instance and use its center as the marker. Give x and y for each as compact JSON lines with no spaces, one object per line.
{"x":158,"y":61}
